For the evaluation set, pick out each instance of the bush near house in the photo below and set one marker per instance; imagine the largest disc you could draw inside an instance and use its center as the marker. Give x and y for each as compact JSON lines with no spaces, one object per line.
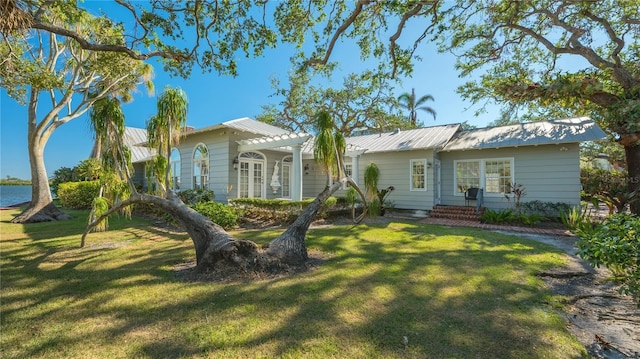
{"x":550,"y":210}
{"x":608,"y":187}
{"x":508,"y":216}
{"x":616,"y":244}
{"x":193,"y":196}
{"x":221,"y":214}
{"x":282,"y":210}
{"x":78,"y":195}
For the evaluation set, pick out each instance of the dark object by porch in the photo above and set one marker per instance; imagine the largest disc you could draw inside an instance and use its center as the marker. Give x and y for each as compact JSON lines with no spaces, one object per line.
{"x":470,"y":195}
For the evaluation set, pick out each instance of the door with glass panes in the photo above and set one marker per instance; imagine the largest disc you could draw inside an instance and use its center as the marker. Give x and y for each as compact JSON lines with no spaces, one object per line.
{"x":251,"y":182}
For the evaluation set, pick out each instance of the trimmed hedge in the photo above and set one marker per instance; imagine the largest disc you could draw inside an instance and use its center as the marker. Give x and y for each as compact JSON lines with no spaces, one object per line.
{"x":221,"y":214}
{"x":192,"y":196}
{"x":78,"y":195}
{"x":281,"y":210}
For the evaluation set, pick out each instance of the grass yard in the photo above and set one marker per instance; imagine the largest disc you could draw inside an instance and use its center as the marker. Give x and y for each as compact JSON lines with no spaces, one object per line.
{"x":451,"y":292}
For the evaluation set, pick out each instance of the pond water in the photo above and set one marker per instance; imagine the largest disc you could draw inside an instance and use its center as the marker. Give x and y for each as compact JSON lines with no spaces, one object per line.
{"x":10,"y":195}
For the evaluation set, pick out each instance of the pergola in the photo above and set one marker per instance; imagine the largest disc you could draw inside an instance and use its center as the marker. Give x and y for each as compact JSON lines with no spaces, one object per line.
{"x":294,"y":142}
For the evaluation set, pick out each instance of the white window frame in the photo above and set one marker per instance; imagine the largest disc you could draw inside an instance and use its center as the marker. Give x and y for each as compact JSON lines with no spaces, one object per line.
{"x":286,"y":175}
{"x":483,"y":175}
{"x":176,"y":168}
{"x":348,"y":171}
{"x":250,"y":158}
{"x":193,"y":167}
{"x":424,"y":175}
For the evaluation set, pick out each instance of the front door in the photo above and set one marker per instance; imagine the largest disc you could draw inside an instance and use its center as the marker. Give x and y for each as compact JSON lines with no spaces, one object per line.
{"x":251,"y":177}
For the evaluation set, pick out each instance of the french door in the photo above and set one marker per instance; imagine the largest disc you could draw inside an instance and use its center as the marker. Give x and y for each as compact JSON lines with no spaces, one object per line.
{"x":251,"y":182}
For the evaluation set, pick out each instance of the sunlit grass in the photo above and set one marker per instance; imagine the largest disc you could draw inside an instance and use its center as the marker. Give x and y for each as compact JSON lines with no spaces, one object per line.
{"x":452,"y":292}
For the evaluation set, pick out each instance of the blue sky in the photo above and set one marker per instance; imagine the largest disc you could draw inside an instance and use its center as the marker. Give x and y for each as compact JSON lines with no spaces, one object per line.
{"x":214,"y":99}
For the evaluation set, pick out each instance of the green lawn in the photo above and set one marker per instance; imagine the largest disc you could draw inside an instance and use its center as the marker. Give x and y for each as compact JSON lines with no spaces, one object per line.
{"x":452,"y":292}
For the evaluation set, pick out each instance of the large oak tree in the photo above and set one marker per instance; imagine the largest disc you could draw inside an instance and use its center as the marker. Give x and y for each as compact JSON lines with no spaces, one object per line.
{"x":521,"y":49}
{"x":364,"y":102}
{"x":181,"y":36}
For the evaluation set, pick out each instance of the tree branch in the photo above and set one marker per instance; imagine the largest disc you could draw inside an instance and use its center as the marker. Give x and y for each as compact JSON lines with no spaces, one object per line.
{"x":85,"y":44}
{"x":348,"y":22}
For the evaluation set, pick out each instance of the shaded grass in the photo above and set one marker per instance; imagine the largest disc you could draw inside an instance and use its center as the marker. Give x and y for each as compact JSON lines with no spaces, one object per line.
{"x":452,"y":292}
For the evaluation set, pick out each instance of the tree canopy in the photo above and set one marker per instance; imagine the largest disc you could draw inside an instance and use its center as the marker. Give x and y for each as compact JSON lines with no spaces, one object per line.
{"x":209,"y":35}
{"x":364,"y":102}
{"x":523,"y":49}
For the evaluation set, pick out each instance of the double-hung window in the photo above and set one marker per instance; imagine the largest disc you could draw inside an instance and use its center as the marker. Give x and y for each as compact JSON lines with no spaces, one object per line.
{"x":495,"y":176}
{"x":418,"y":175}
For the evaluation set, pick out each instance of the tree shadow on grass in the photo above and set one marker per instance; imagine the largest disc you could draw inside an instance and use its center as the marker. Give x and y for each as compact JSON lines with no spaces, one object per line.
{"x":472,"y":299}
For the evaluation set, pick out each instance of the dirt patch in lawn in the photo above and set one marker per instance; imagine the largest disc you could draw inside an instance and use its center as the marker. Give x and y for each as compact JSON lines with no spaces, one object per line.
{"x":605,"y":321}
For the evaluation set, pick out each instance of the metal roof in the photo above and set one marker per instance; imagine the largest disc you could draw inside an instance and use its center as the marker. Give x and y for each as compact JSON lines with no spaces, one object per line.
{"x":134,"y":138}
{"x":568,"y":130}
{"x":245,"y":124}
{"x":433,"y":137}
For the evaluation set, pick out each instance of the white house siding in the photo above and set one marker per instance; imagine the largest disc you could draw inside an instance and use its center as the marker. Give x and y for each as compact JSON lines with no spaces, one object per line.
{"x":395,"y":170}
{"x":548,"y":173}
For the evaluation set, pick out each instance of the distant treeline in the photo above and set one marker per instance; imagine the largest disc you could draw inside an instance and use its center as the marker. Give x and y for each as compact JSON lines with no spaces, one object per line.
{"x":12,"y":181}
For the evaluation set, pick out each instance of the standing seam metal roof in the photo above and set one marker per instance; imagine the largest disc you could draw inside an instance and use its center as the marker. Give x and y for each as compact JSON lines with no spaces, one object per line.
{"x":134,"y":138}
{"x":433,"y":137}
{"x":568,"y":130}
{"x":245,"y":124}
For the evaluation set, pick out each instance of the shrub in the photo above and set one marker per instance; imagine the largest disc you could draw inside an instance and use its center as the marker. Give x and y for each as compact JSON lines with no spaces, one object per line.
{"x":193,"y":196}
{"x":577,"y":221}
{"x":221,"y":214}
{"x":375,"y":208}
{"x":61,"y":175}
{"x":78,"y":195}
{"x":616,"y":245}
{"x":88,"y":170}
{"x":546,"y":209}
{"x":501,"y":216}
{"x":280,"y":210}
{"x":507,"y":216}
{"x":597,"y":181}
{"x":530,"y":219}
{"x":609,"y":187}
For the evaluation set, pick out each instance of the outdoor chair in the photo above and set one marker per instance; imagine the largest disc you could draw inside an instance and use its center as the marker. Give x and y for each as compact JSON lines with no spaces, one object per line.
{"x":470,"y":194}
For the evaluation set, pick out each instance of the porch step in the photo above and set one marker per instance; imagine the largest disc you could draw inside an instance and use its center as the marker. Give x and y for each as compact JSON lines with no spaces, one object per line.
{"x":467,"y":213}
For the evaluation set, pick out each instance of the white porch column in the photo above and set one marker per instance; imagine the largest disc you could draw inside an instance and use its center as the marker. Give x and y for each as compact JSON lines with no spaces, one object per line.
{"x":296,"y":180}
{"x":355,"y":166}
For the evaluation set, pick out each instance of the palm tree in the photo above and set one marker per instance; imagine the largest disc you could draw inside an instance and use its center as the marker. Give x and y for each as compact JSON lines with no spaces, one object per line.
{"x":409,"y":102}
{"x":165,"y":130}
{"x":212,"y":243}
{"x":330,"y":146}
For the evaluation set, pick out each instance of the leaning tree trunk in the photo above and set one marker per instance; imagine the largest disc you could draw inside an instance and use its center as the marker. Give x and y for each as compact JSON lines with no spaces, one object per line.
{"x":213,"y":245}
{"x":632,"y":152}
{"x":41,"y":208}
{"x":289,"y":247}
